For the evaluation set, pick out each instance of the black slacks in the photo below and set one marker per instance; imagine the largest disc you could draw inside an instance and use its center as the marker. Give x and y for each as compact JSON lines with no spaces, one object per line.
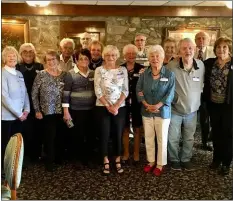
{"x":205,"y":123}
{"x":221,"y":118}
{"x":83,"y":136}
{"x":32,"y":134}
{"x":53,"y":135}
{"x":114,"y":125}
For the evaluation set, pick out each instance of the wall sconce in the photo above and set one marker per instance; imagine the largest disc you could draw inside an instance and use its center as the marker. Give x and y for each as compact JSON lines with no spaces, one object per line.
{"x":228,"y":4}
{"x":38,"y":3}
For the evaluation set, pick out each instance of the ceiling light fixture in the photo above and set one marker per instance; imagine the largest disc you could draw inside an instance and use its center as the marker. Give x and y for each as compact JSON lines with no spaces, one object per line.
{"x":228,"y":4}
{"x":38,"y":3}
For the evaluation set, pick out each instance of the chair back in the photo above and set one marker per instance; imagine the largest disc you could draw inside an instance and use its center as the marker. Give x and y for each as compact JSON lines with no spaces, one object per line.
{"x":13,"y":161}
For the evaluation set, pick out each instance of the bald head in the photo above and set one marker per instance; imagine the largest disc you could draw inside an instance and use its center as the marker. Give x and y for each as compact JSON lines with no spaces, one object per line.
{"x":85,"y":39}
{"x":202,"y":39}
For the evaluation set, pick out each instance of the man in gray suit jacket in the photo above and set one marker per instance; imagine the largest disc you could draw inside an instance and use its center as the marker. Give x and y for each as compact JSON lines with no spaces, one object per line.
{"x":203,"y":52}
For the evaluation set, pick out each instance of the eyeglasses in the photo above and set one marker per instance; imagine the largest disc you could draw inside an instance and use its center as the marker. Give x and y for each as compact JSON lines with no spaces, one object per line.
{"x":85,"y":38}
{"x":110,"y":55}
{"x":138,"y":40}
{"x":131,"y":53}
{"x":28,"y":52}
{"x":67,"y":48}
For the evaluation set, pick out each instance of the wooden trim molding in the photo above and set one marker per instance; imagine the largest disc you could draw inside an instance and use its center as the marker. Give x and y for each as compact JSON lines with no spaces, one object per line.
{"x":94,"y":10}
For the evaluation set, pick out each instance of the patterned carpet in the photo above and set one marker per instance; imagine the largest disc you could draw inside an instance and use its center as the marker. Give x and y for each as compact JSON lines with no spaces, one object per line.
{"x":72,"y":183}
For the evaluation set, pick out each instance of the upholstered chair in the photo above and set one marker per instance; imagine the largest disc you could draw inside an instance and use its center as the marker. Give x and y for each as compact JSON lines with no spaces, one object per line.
{"x":13,"y":163}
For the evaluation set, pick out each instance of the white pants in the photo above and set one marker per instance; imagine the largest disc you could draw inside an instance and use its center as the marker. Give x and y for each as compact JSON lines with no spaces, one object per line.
{"x":159,"y":127}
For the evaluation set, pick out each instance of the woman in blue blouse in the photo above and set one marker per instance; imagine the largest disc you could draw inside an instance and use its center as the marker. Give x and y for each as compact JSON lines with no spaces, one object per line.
{"x":155,"y":89}
{"x":15,"y":101}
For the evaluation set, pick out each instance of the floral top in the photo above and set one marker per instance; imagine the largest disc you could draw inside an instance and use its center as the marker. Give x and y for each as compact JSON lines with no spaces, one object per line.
{"x":218,"y":83}
{"x":110,"y":83}
{"x":47,"y":93}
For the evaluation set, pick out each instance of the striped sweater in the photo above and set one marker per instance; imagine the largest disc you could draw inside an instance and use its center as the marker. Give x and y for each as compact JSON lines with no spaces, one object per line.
{"x":79,"y":90}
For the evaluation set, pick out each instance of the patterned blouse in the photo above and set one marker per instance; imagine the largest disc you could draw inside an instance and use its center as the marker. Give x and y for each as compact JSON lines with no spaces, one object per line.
{"x":218,"y":82}
{"x":47,"y":93}
{"x":110,"y":84}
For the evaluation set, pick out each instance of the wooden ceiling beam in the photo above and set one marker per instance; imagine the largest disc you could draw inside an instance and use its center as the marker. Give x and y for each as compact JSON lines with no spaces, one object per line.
{"x":94,"y":10}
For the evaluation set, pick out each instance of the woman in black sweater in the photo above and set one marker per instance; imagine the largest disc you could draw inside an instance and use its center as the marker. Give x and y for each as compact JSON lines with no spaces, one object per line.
{"x":218,"y":96}
{"x":29,"y":67}
{"x":132,"y":104}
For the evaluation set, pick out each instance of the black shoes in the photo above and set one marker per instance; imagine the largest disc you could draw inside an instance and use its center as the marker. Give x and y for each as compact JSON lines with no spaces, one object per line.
{"x":187,"y":166}
{"x":225,"y":170}
{"x":176,"y":166}
{"x":50,"y":167}
{"x":207,"y":147}
{"x":214,"y":165}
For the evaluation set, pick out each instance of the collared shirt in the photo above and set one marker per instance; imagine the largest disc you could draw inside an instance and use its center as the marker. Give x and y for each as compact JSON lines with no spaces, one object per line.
{"x":66,"y":66}
{"x":208,"y":52}
{"x":11,"y":70}
{"x":189,"y":86}
{"x":155,"y":91}
{"x":76,"y":70}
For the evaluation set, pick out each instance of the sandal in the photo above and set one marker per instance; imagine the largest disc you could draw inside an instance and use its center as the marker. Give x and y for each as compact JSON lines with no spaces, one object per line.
{"x":119,"y":168}
{"x":106,"y":171}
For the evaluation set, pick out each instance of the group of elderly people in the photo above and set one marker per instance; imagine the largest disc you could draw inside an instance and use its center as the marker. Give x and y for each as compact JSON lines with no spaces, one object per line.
{"x":102,"y":99}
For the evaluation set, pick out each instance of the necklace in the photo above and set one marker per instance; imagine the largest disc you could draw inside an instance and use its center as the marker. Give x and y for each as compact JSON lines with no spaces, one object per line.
{"x":28,"y":68}
{"x":155,"y":74}
{"x":96,"y":63}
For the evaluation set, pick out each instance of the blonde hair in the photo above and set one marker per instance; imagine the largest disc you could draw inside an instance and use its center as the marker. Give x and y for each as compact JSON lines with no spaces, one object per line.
{"x":129,"y":46}
{"x":30,"y":45}
{"x":156,"y":48}
{"x":96,"y":42}
{"x":111,"y":48}
{"x":7,"y":50}
{"x":67,"y":40}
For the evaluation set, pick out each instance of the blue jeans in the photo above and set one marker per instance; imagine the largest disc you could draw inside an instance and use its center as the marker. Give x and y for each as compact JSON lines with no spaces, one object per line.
{"x":189,"y":122}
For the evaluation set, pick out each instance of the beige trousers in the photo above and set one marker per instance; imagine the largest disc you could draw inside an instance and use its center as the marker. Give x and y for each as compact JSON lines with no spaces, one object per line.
{"x":159,"y":127}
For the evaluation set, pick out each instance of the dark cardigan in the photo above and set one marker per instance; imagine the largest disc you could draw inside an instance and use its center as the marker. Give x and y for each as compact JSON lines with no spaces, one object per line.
{"x":209,"y":63}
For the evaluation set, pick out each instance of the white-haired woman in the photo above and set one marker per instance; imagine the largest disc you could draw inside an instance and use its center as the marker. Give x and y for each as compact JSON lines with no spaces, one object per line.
{"x":29,"y":67}
{"x":155,"y":90}
{"x":15,"y":102}
{"x":111,"y":89}
{"x":132,"y":105}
